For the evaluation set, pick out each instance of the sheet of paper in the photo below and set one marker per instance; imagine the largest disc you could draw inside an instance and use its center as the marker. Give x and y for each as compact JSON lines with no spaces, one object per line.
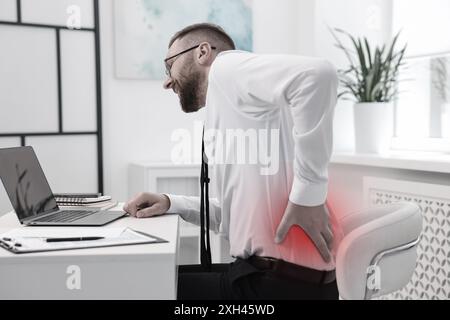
{"x":55,"y":232}
{"x":34,"y":239}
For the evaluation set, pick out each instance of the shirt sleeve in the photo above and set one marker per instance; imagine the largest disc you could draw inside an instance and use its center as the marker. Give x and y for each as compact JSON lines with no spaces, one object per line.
{"x":308,"y":86}
{"x":189,"y":210}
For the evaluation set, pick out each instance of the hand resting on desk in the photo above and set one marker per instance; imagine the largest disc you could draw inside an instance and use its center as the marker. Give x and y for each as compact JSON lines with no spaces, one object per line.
{"x":146,"y":204}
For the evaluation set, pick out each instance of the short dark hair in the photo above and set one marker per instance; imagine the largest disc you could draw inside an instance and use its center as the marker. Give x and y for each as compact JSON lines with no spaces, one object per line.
{"x":208,"y":32}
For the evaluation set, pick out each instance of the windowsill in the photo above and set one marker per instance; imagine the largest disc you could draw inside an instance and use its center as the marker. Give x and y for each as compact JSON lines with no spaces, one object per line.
{"x":407,"y":160}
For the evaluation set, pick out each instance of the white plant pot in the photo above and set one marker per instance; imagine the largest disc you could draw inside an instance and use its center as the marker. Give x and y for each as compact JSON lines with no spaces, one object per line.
{"x":373,"y":127}
{"x":445,"y":120}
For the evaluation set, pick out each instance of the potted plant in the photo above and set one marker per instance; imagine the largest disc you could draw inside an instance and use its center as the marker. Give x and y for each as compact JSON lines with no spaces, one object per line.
{"x":371,"y":81}
{"x":441,"y":81}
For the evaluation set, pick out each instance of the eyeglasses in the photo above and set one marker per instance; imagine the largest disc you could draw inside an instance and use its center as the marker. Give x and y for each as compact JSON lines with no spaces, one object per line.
{"x":176,"y":55}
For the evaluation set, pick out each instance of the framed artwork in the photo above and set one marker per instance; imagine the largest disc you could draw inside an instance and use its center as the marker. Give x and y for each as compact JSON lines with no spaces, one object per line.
{"x":143,"y":29}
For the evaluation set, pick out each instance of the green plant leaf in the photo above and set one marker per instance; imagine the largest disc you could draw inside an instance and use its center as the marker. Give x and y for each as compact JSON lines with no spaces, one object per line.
{"x":346,"y":52}
{"x":369,"y":78}
{"x":362,"y":57}
{"x":376,"y":92}
{"x":369,"y":55}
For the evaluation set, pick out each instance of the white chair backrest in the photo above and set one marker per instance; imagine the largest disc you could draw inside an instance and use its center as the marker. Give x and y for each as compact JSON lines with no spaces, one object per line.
{"x":378,"y":252}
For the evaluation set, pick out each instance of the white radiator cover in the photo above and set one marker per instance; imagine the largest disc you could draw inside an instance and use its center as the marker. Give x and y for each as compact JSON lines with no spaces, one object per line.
{"x":431,"y":279}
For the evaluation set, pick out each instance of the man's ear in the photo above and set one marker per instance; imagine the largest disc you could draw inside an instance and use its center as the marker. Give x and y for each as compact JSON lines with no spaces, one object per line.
{"x":205,"y":54}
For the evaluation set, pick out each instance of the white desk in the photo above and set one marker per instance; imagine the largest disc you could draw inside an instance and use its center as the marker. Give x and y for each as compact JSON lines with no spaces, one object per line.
{"x":147,"y":271}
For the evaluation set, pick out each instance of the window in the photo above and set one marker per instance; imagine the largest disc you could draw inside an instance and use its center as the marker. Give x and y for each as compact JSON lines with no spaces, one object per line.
{"x":422,"y":110}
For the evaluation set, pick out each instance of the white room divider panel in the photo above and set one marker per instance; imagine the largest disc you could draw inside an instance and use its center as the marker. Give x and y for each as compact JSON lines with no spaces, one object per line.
{"x":28,"y":78}
{"x":8,"y":11}
{"x":5,"y":205}
{"x":54,"y":12}
{"x":57,"y":155}
{"x":50,"y":89}
{"x":78,"y":91}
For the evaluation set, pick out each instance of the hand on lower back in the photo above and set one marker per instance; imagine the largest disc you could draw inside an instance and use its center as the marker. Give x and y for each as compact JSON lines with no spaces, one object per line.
{"x":314,"y":221}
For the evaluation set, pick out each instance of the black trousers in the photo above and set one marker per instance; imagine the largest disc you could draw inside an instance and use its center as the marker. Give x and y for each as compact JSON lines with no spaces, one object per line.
{"x":240,"y":280}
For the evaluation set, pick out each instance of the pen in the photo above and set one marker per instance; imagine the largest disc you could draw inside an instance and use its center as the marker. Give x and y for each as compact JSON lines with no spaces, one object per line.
{"x":72,"y":239}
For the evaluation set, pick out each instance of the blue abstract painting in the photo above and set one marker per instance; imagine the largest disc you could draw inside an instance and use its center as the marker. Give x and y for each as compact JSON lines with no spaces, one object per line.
{"x":143,"y":29}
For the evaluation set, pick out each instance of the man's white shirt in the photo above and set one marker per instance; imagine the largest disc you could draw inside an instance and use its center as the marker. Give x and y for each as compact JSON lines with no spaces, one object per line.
{"x":268,"y":137}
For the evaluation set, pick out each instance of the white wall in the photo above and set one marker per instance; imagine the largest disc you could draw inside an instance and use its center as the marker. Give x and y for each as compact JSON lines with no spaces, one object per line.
{"x":139,"y":116}
{"x":284,"y":26}
{"x":368,"y":18}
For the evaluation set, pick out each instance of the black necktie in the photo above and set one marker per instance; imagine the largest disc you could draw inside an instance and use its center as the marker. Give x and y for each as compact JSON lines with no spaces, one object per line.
{"x":205,"y":247}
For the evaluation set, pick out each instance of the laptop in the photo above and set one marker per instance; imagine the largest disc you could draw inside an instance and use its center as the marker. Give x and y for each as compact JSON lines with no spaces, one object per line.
{"x":32,"y":198}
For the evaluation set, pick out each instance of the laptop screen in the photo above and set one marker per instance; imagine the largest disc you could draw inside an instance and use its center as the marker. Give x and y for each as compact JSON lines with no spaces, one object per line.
{"x":25,"y":182}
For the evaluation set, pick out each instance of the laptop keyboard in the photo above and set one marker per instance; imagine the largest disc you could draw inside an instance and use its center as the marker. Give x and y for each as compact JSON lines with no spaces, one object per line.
{"x":66,"y":216}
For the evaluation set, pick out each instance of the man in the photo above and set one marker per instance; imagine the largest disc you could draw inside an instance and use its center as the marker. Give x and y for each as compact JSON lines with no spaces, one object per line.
{"x":276,"y":220}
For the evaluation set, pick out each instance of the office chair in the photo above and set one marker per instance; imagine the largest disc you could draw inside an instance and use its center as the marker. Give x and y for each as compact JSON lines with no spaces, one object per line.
{"x":378,"y":252}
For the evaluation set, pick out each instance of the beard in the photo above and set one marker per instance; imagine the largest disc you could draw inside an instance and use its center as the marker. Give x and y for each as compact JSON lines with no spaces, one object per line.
{"x":189,"y":91}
